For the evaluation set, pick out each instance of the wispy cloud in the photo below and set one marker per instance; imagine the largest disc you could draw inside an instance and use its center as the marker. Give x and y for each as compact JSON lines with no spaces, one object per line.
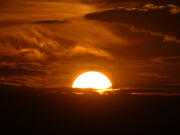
{"x":173,"y":9}
{"x":165,"y":37}
{"x":167,"y":60}
{"x":89,"y":50}
{"x":152,"y":75}
{"x":44,"y":10}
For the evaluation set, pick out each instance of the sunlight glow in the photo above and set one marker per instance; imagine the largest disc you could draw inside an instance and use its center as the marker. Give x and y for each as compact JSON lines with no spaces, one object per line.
{"x":94,"y":80}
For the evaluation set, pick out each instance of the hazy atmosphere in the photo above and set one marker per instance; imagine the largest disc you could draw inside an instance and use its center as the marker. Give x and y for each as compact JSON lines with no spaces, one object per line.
{"x":90,"y":67}
{"x":47,"y":43}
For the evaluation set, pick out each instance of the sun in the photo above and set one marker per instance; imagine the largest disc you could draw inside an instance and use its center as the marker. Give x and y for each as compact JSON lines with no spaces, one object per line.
{"x":94,"y":80}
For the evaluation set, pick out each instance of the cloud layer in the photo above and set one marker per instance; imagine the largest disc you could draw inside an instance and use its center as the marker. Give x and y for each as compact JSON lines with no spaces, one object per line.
{"x":48,"y":43}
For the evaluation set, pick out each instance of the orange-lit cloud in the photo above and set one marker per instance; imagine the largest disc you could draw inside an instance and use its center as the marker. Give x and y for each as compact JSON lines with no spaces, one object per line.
{"x":35,"y":9}
{"x":36,"y":41}
{"x":97,"y":52}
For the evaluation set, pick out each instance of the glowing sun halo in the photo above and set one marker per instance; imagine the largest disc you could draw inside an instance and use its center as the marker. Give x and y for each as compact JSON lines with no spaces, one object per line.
{"x":94,"y":80}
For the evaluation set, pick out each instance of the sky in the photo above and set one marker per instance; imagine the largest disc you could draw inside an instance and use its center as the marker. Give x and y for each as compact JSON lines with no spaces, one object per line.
{"x":48,"y":43}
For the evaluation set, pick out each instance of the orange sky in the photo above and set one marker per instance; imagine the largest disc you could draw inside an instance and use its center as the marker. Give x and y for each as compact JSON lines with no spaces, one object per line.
{"x":48,"y":43}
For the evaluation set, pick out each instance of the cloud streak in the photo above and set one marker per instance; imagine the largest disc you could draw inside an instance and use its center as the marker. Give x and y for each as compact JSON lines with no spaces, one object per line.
{"x":166,"y":37}
{"x":152,"y":75}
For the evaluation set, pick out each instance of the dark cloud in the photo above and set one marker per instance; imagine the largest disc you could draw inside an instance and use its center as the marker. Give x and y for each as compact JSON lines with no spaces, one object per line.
{"x":152,"y":75}
{"x":156,"y":20}
{"x":167,"y":60}
{"x":10,"y":71}
{"x":130,"y":3}
{"x":51,"y":21}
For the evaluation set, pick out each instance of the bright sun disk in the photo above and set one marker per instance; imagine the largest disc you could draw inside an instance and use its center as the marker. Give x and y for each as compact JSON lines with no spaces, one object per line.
{"x":94,"y":80}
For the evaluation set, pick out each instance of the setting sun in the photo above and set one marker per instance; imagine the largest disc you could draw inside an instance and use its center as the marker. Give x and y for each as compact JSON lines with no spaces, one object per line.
{"x":94,"y":80}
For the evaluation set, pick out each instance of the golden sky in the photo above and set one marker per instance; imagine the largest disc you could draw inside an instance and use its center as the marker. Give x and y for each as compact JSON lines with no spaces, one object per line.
{"x":47,"y":43}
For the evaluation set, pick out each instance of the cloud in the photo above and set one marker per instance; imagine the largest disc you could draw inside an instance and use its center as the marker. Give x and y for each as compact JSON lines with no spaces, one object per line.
{"x":150,"y":19}
{"x":31,"y":54}
{"x":97,"y":52}
{"x":152,"y":75}
{"x":34,"y":41}
{"x":135,"y":4}
{"x":165,"y":37}
{"x":50,"y":21}
{"x":47,"y":43}
{"x":43,"y":10}
{"x":24,"y":44}
{"x":42,"y":52}
{"x":167,"y":60}
{"x":173,"y":9}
